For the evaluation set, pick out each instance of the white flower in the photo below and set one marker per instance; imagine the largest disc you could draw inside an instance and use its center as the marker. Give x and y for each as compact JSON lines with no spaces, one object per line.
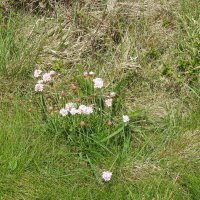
{"x":74,"y":111}
{"x":63,"y":112}
{"x":39,"y":87}
{"x":106,"y":176}
{"x":125,"y":118}
{"x":98,"y":83}
{"x":69,"y":106}
{"x":112,"y":94}
{"x":82,"y":109}
{"x":108,"y":102}
{"x":85,"y":73}
{"x":40,"y":81}
{"x":52,"y":72}
{"x":37,"y":73}
{"x":46,"y":77}
{"x":87,"y":110}
{"x":91,"y":73}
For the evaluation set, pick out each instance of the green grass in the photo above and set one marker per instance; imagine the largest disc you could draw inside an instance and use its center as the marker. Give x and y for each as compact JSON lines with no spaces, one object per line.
{"x":162,"y":164}
{"x":160,"y":157}
{"x":18,"y":54}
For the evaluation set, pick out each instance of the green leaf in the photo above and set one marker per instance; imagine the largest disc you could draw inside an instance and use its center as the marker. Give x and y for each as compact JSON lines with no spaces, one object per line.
{"x":113,"y":134}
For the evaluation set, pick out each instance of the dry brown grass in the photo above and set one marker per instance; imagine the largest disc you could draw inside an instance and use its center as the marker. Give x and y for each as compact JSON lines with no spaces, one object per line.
{"x":122,"y":40}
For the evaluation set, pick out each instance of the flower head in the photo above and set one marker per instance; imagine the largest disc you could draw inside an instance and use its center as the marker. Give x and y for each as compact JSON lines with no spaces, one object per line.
{"x":82,"y":109}
{"x":69,"y":106}
{"x":37,"y":73}
{"x":74,"y":111}
{"x":106,"y":175}
{"x":108,"y":102}
{"x":125,"y":118}
{"x":46,"y":77}
{"x":63,"y":112}
{"x":39,"y":87}
{"x":87,"y":110}
{"x":98,"y":83}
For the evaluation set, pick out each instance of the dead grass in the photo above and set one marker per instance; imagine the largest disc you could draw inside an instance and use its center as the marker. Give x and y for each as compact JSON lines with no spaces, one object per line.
{"x":126,"y":38}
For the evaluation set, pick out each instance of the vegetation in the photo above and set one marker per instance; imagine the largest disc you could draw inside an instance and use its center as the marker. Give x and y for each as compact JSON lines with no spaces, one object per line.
{"x":147,"y":52}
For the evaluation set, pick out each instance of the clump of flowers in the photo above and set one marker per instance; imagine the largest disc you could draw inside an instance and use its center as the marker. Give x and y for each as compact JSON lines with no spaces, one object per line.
{"x":85,"y":111}
{"x":70,"y":108}
{"x":46,"y":77}
{"x":78,"y":108}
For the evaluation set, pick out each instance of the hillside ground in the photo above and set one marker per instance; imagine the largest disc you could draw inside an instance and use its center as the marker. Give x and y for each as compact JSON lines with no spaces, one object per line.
{"x":152,"y":49}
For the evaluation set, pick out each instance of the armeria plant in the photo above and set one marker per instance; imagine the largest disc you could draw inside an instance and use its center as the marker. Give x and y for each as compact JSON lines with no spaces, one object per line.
{"x":84,"y":110}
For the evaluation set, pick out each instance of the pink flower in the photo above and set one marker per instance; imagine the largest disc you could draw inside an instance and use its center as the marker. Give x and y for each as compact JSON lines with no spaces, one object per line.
{"x":69,"y":106}
{"x":39,"y":87}
{"x":82,"y":109}
{"x":47,"y":77}
{"x":87,"y":110}
{"x":108,"y":102}
{"x":98,"y":83}
{"x":63,"y":112}
{"x":125,"y":118}
{"x":37,"y":73}
{"x":106,"y":176}
{"x":74,"y":111}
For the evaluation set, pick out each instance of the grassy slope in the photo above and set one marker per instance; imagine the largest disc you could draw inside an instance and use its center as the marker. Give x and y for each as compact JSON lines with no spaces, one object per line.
{"x":163,"y":159}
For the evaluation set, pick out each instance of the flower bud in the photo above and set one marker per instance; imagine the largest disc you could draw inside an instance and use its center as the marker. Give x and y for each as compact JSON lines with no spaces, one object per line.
{"x":110,"y":123}
{"x":73,"y":87}
{"x":82,"y":123}
{"x":112,"y":94}
{"x":50,"y":108}
{"x":77,"y":100}
{"x":62,"y":94}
